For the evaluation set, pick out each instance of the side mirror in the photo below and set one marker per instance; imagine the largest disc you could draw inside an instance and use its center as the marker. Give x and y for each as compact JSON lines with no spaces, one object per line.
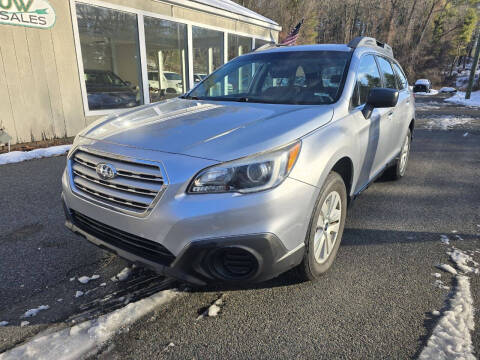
{"x":379,"y":98}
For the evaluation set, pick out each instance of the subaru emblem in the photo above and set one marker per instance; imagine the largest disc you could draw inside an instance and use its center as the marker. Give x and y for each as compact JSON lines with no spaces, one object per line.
{"x":106,"y":171}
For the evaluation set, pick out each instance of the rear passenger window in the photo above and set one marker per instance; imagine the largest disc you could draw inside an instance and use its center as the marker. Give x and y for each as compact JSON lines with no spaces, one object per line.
{"x":388,"y":74}
{"x":402,"y":80}
{"x":368,"y":77}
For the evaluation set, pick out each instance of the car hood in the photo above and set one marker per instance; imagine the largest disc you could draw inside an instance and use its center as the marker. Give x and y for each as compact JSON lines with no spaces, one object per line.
{"x":212,"y":130}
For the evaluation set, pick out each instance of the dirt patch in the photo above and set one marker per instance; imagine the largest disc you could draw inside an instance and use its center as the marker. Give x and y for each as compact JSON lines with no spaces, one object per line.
{"x":37,"y":144}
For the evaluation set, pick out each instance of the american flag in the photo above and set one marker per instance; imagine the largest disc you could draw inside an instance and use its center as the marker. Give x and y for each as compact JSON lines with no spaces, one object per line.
{"x":291,"y":38}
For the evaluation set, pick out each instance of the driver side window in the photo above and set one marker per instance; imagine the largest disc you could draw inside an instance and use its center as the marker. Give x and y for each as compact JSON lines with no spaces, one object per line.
{"x":368,"y":77}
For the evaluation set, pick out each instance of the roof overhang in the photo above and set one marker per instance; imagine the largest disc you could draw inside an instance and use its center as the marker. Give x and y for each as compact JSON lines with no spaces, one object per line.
{"x":235,"y":14}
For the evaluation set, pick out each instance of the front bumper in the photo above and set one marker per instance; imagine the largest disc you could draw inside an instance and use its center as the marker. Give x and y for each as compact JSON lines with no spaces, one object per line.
{"x":203,"y":261}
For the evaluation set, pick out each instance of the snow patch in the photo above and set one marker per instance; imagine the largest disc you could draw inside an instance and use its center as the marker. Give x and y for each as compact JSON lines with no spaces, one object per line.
{"x":214,"y":309}
{"x":435,"y":312}
{"x":86,"y":279}
{"x":459,"y":98}
{"x":24,"y":323}
{"x":34,"y":312}
{"x":451,"y":336}
{"x":83,"y":339}
{"x":432,"y":92}
{"x":447,"y":268}
{"x":446,"y":122}
{"x":439,"y":283}
{"x":437,"y":275}
{"x":3,"y":323}
{"x":124,"y":274}
{"x":78,"y":293}
{"x":19,"y":156}
{"x":444,"y":239}
{"x":461,"y":259}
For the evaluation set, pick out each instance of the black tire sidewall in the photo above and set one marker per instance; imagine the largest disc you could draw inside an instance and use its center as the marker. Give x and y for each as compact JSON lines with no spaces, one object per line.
{"x":312,"y":268}
{"x":398,"y":173}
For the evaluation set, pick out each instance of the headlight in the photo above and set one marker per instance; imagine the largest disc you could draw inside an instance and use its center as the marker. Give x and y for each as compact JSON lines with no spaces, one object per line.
{"x":254,"y":173}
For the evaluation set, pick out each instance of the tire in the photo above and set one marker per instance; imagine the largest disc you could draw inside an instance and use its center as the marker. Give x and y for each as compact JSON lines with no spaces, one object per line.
{"x":398,"y":170}
{"x":314,"y":264}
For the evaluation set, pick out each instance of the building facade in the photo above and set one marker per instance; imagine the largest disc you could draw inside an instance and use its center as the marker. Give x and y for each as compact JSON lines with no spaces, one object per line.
{"x":65,"y":63}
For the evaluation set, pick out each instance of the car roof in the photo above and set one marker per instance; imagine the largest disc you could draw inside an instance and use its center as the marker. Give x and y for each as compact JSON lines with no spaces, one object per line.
{"x":422,"y":82}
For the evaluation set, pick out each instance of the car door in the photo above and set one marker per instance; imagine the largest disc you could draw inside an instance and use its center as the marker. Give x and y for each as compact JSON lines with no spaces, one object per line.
{"x":373,"y":133}
{"x":391,"y":139}
{"x":404,"y":112}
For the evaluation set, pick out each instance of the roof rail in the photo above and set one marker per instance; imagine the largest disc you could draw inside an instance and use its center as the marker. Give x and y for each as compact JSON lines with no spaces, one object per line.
{"x":370,"y":42}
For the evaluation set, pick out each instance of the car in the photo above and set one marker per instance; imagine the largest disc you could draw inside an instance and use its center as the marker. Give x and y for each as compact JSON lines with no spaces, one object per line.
{"x":422,"y":85}
{"x":106,"y":90}
{"x":240,"y":187}
{"x":171,"y":82}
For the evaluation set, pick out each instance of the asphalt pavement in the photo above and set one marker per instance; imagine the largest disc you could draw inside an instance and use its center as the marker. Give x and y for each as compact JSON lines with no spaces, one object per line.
{"x":376,"y":302}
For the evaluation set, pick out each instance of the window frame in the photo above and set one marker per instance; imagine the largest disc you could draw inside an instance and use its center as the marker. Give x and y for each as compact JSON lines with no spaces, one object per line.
{"x":394,"y":62}
{"x":143,"y":54}
{"x":389,"y":61}
{"x":355,"y":86}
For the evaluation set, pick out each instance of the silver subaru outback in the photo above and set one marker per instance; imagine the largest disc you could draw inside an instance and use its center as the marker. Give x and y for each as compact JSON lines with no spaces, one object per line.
{"x":250,"y":173}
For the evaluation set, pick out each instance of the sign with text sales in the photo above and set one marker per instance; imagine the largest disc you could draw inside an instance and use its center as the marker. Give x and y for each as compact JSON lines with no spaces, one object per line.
{"x":30,"y":13}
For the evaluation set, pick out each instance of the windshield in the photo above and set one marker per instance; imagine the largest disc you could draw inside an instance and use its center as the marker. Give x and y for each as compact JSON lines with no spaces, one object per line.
{"x":296,"y":77}
{"x":172,"y":76}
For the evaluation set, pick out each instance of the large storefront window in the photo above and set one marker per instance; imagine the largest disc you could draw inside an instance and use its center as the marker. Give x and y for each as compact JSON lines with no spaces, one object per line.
{"x":111,"y":59}
{"x":238,"y":45}
{"x":207,"y":52}
{"x":166,"y":44}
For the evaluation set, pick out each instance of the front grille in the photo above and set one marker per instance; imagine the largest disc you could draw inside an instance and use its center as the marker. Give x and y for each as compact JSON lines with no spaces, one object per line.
{"x":133,"y":244}
{"x":134,"y":189}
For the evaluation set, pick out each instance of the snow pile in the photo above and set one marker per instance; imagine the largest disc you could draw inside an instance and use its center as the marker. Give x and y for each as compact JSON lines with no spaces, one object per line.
{"x":86,"y":279}
{"x":459,"y":98}
{"x":447,"y":89}
{"x":81,"y":340}
{"x":34,"y":312}
{"x":19,"y":156}
{"x":124,"y":274}
{"x":446,"y":122}
{"x":451,"y":337}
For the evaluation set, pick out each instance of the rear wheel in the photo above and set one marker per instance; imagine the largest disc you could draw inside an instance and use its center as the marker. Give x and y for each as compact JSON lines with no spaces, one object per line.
{"x":398,"y":170}
{"x":326,"y":228}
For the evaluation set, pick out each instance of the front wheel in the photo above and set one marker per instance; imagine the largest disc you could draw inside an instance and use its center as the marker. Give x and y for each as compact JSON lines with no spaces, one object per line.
{"x":326,"y":228}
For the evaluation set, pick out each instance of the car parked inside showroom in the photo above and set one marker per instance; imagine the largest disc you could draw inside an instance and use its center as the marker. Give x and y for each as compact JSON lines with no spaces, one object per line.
{"x":240,"y":184}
